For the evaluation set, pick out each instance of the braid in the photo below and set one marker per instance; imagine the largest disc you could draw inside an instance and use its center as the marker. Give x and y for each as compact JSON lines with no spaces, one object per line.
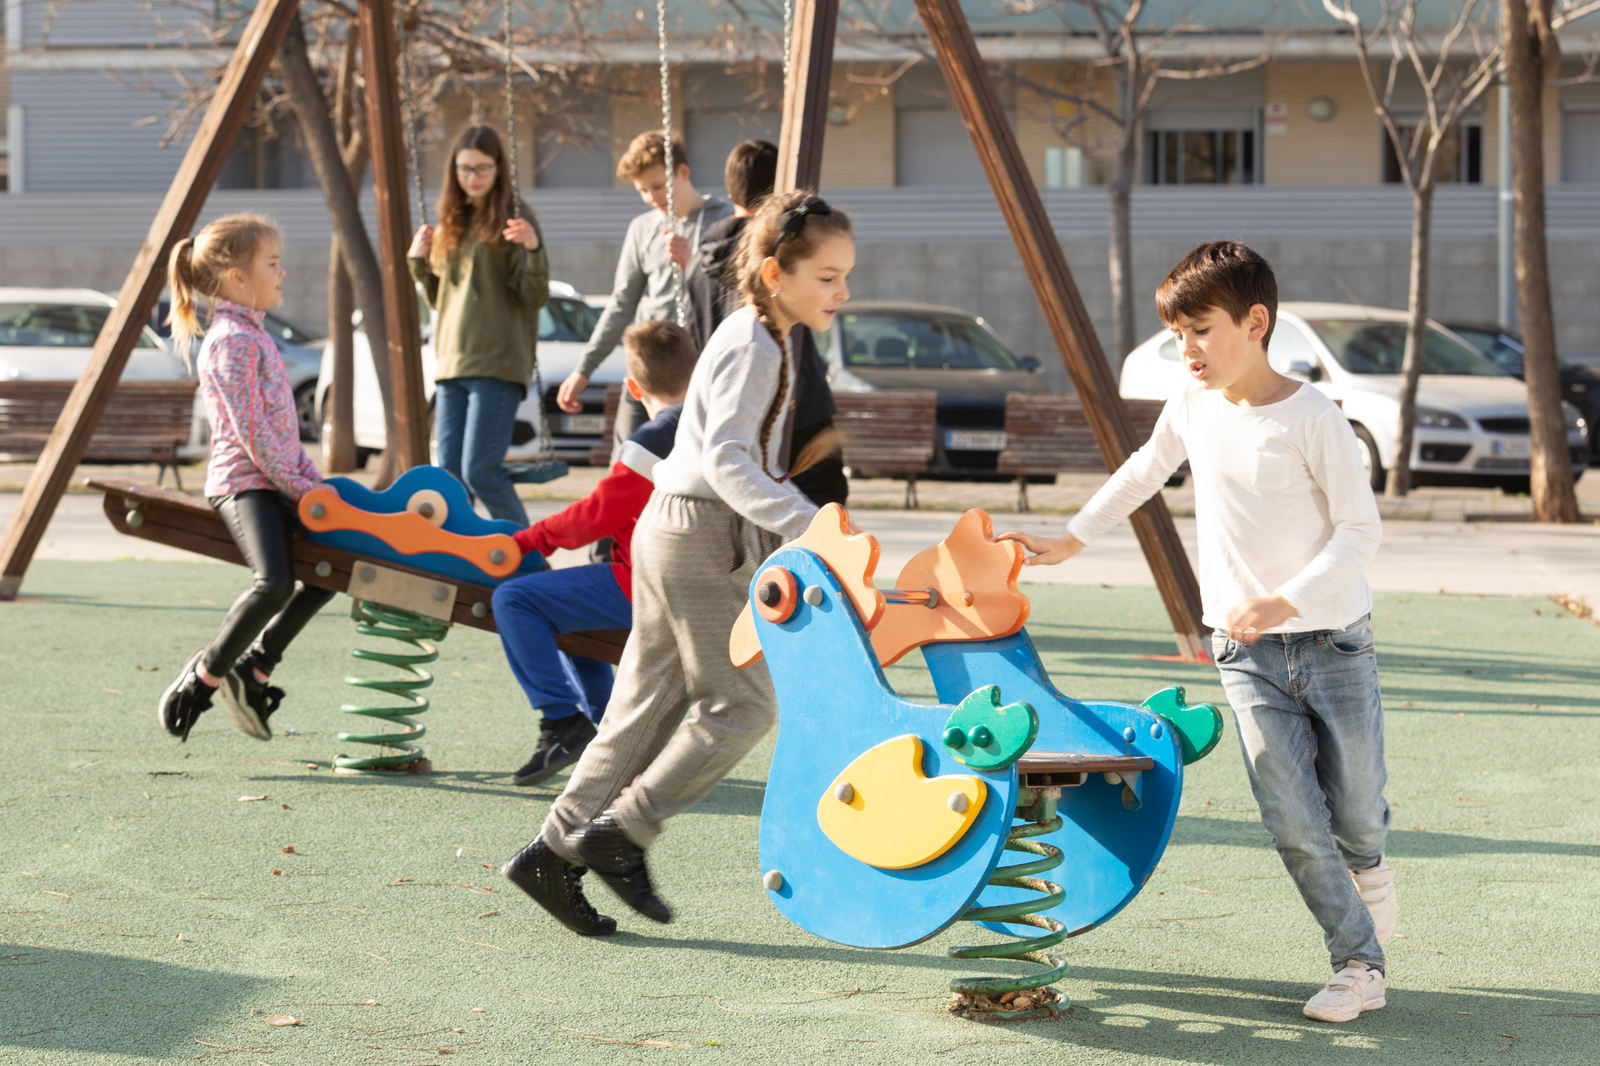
{"x":776,"y":406}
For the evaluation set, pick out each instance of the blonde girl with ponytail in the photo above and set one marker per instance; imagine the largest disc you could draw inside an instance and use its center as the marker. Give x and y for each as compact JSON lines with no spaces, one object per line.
{"x":258,"y":470}
{"x":681,"y":715}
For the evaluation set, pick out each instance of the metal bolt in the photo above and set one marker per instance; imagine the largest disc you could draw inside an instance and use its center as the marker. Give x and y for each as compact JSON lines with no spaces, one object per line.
{"x":497,"y":557}
{"x":958,"y":802}
{"x":981,"y":737}
{"x":955,"y":738}
{"x":318,"y":511}
{"x":480,"y":609}
{"x":966,"y":599}
{"x":441,"y":592}
{"x":425,"y":509}
{"x":1128,"y":734}
{"x":368,"y":574}
{"x":933,"y":598}
{"x":772,"y":881}
{"x":813,"y":595}
{"x":324,"y":568}
{"x":769,"y":593}
{"x":1155,"y":731}
{"x":135,"y":519}
{"x":844,"y":792}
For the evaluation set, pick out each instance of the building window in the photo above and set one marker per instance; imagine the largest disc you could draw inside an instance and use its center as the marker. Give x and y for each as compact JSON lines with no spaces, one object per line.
{"x":1200,"y":157}
{"x":1460,"y":156}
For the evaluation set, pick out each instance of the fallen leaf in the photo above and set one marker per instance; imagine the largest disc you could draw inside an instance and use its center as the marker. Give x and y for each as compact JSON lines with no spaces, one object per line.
{"x":477,"y":1010}
{"x":285,"y":806}
{"x":281,"y":1019}
{"x":250,"y":799}
{"x":277,"y":873}
{"x":289,"y":849}
{"x":372,"y":1003}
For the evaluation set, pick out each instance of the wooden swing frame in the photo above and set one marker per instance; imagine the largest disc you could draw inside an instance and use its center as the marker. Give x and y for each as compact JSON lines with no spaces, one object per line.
{"x":799,"y":166}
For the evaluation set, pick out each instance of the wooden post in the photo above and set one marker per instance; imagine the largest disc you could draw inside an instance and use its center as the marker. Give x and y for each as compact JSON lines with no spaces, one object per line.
{"x":1063,"y":308}
{"x":805,"y":97}
{"x":380,"y":58}
{"x":230,"y":106}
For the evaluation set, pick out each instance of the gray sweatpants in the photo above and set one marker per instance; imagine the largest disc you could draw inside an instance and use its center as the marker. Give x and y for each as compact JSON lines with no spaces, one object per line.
{"x":681,"y":714}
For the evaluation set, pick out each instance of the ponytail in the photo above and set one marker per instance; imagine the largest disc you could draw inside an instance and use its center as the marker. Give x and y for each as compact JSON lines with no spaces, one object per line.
{"x":197,"y":265}
{"x":787,"y":227}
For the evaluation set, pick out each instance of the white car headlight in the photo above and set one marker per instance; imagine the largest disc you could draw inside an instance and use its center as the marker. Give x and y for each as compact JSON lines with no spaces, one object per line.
{"x":1434,"y":418}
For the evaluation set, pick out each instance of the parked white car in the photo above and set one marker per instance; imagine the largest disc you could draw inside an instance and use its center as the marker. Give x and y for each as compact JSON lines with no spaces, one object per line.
{"x":48,"y":335}
{"x":565,"y":324}
{"x":1472,"y":417}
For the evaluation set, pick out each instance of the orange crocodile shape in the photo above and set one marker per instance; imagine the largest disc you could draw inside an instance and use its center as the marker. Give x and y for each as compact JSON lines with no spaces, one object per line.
{"x":853,"y":558}
{"x":409,"y":533}
{"x":976,"y":578}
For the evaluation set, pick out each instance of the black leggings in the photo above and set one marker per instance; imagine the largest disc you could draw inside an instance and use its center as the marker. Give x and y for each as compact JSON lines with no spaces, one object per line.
{"x":276,"y":607}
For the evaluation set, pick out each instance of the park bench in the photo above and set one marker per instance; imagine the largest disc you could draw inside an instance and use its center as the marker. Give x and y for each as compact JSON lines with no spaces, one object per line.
{"x":188,"y":522}
{"x":888,"y":434}
{"x":144,"y":422}
{"x":1048,"y":434}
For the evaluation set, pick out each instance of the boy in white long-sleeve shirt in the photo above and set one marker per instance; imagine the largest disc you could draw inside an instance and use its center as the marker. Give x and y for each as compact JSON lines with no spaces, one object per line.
{"x":1286,"y":525}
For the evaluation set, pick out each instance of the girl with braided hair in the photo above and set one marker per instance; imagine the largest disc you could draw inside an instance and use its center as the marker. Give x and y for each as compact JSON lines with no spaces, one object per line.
{"x":681,"y":715}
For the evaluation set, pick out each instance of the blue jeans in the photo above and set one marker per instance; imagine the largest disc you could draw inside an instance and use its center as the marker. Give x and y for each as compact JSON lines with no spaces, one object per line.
{"x":1310,"y":721}
{"x":473,"y":420}
{"x":532,"y":610}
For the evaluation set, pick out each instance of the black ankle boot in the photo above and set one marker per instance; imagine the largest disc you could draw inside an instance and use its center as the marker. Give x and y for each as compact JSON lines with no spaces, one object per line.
{"x":553,"y":882}
{"x":620,"y":863}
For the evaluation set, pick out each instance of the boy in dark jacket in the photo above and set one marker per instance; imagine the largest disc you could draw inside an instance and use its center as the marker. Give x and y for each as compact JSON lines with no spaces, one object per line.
{"x":531,"y":611}
{"x":751,"y":172}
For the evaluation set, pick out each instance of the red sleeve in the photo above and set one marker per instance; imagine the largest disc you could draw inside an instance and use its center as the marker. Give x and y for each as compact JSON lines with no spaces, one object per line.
{"x":618,"y":500}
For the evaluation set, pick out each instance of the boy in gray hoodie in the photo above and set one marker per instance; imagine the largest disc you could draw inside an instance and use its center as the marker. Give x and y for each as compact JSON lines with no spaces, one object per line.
{"x":645,"y":285}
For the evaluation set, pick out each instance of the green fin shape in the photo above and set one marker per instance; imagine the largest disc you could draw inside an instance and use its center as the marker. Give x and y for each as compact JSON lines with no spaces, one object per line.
{"x":1011,"y":730}
{"x":1199,"y":727}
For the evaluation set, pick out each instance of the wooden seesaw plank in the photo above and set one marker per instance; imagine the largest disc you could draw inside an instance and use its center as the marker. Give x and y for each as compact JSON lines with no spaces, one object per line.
{"x":179,"y":520}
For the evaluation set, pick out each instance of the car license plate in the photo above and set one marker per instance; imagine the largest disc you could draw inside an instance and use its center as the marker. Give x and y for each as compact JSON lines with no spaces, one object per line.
{"x":1515,"y":448}
{"x":583,"y":423}
{"x":975,"y":440}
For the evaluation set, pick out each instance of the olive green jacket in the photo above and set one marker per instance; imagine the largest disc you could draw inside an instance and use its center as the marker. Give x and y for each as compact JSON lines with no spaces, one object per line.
{"x":486,"y":305}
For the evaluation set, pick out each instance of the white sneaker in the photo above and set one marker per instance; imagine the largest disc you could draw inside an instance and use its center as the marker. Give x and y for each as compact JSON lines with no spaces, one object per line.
{"x":1354,"y":989}
{"x":1376,"y":887}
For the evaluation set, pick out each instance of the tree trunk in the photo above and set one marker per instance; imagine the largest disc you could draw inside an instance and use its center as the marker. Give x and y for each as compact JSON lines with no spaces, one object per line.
{"x":1416,"y":335}
{"x":1530,"y":51}
{"x":1119,"y":194}
{"x":344,"y":210}
{"x":338,"y":416}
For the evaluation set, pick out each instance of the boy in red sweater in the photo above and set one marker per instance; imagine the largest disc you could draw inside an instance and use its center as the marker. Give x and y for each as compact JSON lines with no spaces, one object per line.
{"x":531,"y":611}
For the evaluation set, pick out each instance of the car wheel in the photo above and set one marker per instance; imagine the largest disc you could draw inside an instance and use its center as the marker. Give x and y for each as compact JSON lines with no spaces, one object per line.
{"x":1376,"y":475}
{"x":305,"y":407}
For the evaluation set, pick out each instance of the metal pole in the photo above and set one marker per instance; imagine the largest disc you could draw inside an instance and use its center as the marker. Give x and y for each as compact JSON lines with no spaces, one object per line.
{"x":1507,"y":250}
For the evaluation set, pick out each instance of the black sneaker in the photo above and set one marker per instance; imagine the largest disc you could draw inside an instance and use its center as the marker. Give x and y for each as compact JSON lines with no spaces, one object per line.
{"x":554,"y":884}
{"x":620,"y":863}
{"x":185,"y":700}
{"x":249,"y":702}
{"x":561,"y":742}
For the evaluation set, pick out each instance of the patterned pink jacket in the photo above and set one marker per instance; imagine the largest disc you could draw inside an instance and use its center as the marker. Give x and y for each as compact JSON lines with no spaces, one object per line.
{"x":255,"y":433}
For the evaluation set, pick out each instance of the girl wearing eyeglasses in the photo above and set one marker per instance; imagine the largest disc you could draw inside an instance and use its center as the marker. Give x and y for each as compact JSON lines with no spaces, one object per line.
{"x":681,"y":714}
{"x":485,"y":274}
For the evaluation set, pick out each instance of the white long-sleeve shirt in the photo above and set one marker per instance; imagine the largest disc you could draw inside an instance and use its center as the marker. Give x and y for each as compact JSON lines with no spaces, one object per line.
{"x":717,"y":453}
{"x":1282,"y":503}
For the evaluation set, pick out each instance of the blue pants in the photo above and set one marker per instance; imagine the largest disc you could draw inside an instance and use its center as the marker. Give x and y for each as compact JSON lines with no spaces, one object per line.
{"x":473,"y":421}
{"x":532,"y":610}
{"x":1310,"y":720}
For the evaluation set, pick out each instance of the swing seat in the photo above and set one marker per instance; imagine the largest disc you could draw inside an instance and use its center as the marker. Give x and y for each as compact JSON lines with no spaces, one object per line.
{"x":537,"y":473}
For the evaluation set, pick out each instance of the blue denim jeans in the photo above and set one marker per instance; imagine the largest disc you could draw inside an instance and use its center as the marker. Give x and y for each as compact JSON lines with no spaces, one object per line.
{"x":532,"y":610}
{"x":1310,"y":721}
{"x":473,"y":419}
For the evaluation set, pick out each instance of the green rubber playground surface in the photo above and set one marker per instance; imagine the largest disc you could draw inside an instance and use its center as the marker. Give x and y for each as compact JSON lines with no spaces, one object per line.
{"x":149,"y":910}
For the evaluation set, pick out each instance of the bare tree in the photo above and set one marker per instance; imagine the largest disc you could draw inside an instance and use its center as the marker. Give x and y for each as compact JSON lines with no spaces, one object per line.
{"x":1451,"y":86}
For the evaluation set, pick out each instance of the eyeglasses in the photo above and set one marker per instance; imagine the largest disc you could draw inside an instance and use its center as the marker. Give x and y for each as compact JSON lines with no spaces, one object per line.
{"x":482,"y":170}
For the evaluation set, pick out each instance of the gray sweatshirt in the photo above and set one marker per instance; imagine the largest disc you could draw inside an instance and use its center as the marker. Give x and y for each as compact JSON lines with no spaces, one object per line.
{"x":717,"y":452}
{"x":643,"y":289}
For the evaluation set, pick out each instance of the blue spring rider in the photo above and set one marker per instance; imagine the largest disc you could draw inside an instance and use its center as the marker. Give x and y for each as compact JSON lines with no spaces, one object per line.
{"x":885,"y":820}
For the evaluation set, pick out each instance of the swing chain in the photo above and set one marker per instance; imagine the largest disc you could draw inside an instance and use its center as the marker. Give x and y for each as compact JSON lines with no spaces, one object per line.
{"x":547,"y":444}
{"x":666,"y":135}
{"x":788,"y":40}
{"x":408,"y":92}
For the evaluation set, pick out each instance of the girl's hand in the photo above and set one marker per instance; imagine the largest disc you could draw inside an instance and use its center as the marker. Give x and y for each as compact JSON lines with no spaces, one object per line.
{"x":422,"y":243}
{"x":1255,"y":616}
{"x":521,"y":231}
{"x":677,"y":247}
{"x":1047,"y":552}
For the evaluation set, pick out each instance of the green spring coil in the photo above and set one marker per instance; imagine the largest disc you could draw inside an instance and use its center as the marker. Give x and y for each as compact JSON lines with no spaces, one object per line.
{"x":1040,"y":818}
{"x":397,"y":749}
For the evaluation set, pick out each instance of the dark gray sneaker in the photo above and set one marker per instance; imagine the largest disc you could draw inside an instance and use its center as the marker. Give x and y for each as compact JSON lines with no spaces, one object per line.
{"x":619,"y":862}
{"x":561,"y":742}
{"x":185,"y":700}
{"x":249,"y":702}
